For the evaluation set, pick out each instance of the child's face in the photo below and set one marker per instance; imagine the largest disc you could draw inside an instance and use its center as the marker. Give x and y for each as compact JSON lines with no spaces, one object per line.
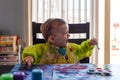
{"x":61,"y":36}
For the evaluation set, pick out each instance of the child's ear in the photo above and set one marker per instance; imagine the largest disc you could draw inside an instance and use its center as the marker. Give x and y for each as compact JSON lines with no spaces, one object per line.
{"x":51,"y":39}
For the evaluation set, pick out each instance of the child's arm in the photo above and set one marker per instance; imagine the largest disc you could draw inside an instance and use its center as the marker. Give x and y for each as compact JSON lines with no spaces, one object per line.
{"x":28,"y":61}
{"x":87,"y":46}
{"x":84,"y":49}
{"x":30,"y":54}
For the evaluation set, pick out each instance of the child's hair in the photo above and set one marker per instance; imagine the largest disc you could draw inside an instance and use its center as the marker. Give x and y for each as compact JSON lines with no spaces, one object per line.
{"x":50,"y":24}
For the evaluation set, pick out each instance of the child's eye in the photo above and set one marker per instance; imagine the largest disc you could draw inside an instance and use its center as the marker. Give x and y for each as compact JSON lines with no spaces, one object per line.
{"x":66,"y":33}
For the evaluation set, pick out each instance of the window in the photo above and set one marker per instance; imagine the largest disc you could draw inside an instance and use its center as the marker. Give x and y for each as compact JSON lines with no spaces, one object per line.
{"x":73,"y":11}
{"x":76,"y":11}
{"x":115,"y":31}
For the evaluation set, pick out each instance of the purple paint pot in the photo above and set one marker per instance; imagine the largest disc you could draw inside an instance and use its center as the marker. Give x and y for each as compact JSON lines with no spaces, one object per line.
{"x":19,"y":75}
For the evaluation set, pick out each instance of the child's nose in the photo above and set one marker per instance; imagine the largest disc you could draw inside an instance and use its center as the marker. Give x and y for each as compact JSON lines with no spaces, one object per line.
{"x":68,"y":35}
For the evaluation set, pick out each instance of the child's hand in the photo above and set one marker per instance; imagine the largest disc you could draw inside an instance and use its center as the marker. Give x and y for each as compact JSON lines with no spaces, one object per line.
{"x":28,"y":61}
{"x":93,"y":41}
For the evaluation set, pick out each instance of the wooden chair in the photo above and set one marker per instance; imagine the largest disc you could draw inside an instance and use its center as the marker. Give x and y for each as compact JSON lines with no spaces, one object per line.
{"x":78,"y":33}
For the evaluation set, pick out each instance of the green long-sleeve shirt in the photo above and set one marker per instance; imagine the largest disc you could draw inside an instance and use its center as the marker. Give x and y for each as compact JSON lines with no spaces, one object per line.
{"x":48,"y":54}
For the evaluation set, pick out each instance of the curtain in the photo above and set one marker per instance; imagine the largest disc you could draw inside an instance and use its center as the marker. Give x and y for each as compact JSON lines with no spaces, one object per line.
{"x":73,"y":11}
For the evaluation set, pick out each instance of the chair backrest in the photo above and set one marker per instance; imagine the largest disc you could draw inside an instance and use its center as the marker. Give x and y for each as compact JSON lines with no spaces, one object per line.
{"x":36,"y":33}
{"x":78,"y":33}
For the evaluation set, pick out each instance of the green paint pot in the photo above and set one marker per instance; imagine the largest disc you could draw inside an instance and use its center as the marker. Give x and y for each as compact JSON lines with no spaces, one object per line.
{"x":6,"y":76}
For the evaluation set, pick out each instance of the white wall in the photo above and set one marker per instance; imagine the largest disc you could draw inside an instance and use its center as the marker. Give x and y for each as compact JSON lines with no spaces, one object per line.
{"x":12,"y":17}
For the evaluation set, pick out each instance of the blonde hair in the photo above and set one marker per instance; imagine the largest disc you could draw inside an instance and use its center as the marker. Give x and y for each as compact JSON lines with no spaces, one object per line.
{"x":50,"y":24}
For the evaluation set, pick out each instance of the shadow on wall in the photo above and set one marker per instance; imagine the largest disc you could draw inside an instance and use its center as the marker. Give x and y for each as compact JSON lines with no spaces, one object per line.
{"x":4,"y":32}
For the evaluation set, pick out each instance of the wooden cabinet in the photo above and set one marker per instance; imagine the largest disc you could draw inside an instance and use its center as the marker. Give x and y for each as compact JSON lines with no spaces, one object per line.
{"x":9,"y":50}
{"x":9,"y":58}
